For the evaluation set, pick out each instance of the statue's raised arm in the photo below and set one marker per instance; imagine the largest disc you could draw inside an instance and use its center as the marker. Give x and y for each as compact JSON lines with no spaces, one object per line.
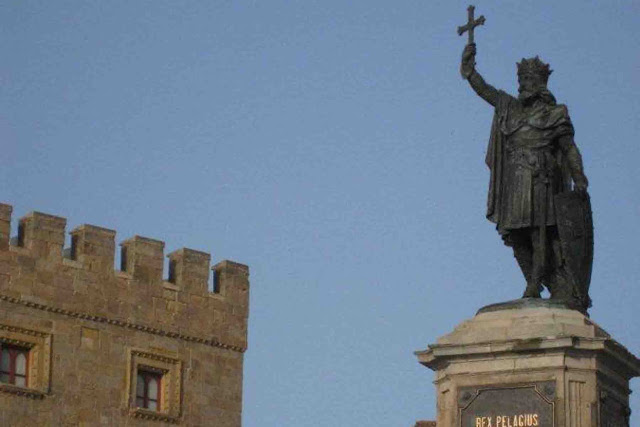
{"x":469,"y":73}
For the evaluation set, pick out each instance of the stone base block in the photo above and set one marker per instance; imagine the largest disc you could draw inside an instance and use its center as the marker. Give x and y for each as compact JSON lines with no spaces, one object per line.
{"x":521,"y":365}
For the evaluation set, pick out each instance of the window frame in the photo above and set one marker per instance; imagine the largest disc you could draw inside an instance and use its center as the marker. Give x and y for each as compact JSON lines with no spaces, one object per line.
{"x":37,"y":345}
{"x":169,"y":371}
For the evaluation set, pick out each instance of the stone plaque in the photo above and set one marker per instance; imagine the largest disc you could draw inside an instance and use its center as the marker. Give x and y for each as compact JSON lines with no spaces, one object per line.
{"x":525,"y":405}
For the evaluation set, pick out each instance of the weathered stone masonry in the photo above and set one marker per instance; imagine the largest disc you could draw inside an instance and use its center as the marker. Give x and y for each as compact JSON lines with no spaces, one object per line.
{"x":88,"y":328}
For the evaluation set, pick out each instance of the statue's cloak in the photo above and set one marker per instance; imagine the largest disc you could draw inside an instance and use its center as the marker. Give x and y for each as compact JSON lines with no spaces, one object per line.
{"x":551,"y":122}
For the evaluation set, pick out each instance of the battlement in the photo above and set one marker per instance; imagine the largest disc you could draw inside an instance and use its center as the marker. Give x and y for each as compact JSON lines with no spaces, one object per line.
{"x":82,"y":279}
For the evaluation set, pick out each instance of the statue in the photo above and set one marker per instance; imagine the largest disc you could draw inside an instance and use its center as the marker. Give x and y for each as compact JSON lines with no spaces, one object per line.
{"x":533,"y":159}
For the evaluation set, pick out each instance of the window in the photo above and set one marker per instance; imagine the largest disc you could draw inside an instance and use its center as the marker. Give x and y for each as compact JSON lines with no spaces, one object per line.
{"x":13,"y":364}
{"x":148,"y":385}
{"x":154,"y":381}
{"x":25,"y":361}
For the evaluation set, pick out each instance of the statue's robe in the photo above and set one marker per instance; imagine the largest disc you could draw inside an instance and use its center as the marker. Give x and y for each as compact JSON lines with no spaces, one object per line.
{"x":526,"y":162}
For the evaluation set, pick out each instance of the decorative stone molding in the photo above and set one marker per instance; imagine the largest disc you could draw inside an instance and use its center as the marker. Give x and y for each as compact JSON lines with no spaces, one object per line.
{"x":145,"y":414}
{"x":21,"y":391}
{"x":122,"y":323}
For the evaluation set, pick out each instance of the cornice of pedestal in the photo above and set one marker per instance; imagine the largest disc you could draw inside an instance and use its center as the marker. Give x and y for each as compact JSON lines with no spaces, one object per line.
{"x":530,"y":332}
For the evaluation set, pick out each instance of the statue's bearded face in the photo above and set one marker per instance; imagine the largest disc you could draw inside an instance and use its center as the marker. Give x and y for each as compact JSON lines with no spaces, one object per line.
{"x":531,"y":86}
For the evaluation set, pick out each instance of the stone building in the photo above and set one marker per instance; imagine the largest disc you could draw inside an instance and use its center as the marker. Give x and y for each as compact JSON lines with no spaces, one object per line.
{"x":85,"y":344}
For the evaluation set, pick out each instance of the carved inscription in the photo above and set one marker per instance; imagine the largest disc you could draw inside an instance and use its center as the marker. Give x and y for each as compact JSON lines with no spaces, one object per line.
{"x":522,"y":420}
{"x":529,"y":405}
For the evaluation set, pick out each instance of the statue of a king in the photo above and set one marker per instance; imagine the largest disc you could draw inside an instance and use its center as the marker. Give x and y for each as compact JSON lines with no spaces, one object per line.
{"x":533,"y":160}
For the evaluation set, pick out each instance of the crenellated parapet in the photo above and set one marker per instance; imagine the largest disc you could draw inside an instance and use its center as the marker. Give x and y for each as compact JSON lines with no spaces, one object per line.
{"x":93,"y":247}
{"x":83,"y":281}
{"x":189,"y":270}
{"x":143,"y":259}
{"x":42,"y":234}
{"x":5,"y":225}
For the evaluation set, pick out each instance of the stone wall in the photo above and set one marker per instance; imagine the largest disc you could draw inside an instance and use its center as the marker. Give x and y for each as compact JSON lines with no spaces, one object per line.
{"x":88,"y":327}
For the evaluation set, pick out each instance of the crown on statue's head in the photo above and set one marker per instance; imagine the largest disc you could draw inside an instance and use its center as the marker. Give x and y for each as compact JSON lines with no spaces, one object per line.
{"x":535,"y":67}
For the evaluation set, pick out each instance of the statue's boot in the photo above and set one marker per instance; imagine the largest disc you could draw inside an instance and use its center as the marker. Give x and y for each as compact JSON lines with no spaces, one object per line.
{"x":533,"y":290}
{"x":534,"y":282}
{"x":524,"y":255}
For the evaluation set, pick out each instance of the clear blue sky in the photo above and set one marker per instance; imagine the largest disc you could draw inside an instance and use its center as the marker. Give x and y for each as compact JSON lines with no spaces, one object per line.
{"x":334,"y":148}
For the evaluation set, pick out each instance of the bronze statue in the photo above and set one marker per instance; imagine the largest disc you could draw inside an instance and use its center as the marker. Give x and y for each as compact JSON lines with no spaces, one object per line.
{"x":533,"y":160}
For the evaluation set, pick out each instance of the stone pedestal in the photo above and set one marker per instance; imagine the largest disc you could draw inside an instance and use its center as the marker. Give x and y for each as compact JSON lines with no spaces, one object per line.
{"x":531,"y":363}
